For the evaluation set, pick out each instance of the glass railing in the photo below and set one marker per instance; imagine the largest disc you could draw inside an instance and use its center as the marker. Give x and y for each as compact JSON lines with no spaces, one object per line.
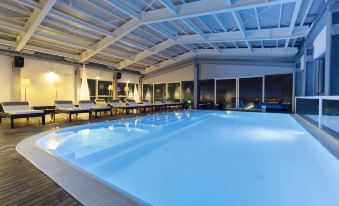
{"x":322,"y":111}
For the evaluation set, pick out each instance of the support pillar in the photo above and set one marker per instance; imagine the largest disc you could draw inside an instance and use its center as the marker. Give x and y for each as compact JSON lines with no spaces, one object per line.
{"x":196,"y":94}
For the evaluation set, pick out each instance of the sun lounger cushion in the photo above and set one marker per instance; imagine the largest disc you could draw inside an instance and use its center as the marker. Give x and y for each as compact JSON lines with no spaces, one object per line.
{"x":68,"y":106}
{"x":19,"y":108}
{"x":91,"y":105}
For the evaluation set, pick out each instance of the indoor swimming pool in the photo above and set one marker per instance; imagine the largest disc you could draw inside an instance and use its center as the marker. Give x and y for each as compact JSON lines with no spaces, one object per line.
{"x":203,"y":158}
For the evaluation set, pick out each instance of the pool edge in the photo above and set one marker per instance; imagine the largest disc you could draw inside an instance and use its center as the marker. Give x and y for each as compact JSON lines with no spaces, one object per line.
{"x":83,"y":186}
{"x":325,"y":139}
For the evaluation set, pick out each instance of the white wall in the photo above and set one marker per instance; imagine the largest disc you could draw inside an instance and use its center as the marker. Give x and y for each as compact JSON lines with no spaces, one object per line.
{"x":6,"y":79}
{"x":42,"y":91}
{"x":218,"y":70}
{"x":93,"y":73}
{"x":212,"y":71}
{"x":185,"y":73}
{"x":319,"y":43}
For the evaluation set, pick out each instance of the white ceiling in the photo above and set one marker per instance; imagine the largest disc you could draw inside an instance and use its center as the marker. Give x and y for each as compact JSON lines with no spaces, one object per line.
{"x":147,"y":35}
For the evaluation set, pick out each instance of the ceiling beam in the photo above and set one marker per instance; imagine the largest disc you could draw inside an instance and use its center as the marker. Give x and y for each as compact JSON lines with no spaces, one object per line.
{"x":169,"y":5}
{"x":228,"y":53}
{"x":119,"y":33}
{"x":123,"y":8}
{"x":170,"y":62}
{"x":198,"y":8}
{"x":197,"y":30}
{"x":241,"y":28}
{"x":255,"y":35}
{"x":33,"y":23}
{"x":205,"y":7}
{"x":294,"y":19}
{"x":143,"y":55}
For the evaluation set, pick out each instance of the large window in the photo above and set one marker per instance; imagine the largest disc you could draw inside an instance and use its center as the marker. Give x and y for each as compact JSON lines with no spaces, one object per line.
{"x":250,"y":93}
{"x":124,"y":91}
{"x":92,"y":84}
{"x":173,"y":90}
{"x":278,"y":90}
{"x":103,"y":88}
{"x":310,"y":79}
{"x":159,"y":91}
{"x":226,"y":93}
{"x":147,"y":92}
{"x":320,"y":73}
{"x":334,"y":70}
{"x":187,"y":89}
{"x":298,"y":83}
{"x":206,"y":91}
{"x":121,"y":89}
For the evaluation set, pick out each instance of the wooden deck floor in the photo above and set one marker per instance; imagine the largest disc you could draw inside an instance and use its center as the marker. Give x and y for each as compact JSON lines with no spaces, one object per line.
{"x":21,"y":183}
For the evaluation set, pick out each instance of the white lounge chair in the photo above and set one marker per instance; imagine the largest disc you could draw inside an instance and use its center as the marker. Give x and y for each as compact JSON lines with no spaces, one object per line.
{"x":67,"y":107}
{"x":117,"y":104}
{"x":90,"y":104}
{"x":16,"y":110}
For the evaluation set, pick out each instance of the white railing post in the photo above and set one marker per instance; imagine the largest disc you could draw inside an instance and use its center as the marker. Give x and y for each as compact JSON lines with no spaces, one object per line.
{"x":320,"y":112}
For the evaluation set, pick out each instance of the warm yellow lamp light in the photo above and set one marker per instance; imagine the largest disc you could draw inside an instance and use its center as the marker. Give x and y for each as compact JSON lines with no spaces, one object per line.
{"x":126,"y":89}
{"x":25,"y":83}
{"x":51,"y":77}
{"x":110,"y":89}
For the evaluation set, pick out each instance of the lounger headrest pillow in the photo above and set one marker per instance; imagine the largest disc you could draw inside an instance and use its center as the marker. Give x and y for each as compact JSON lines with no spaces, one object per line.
{"x":15,"y":106}
{"x":87,"y":102}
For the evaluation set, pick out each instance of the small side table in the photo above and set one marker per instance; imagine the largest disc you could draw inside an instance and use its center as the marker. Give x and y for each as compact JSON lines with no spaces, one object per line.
{"x":47,"y":110}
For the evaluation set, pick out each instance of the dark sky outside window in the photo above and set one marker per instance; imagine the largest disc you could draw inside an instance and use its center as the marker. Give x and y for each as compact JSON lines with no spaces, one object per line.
{"x":278,"y":88}
{"x":206,"y":91}
{"x":226,"y":93}
{"x":147,"y":92}
{"x":250,"y":93}
{"x":187,"y":90}
{"x":159,"y":91}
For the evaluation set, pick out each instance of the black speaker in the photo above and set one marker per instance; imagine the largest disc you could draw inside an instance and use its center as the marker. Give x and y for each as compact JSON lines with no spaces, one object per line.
{"x":119,"y":75}
{"x":19,"y":61}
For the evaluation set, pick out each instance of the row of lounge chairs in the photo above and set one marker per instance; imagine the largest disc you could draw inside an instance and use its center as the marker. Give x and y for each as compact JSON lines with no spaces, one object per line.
{"x":16,"y":110}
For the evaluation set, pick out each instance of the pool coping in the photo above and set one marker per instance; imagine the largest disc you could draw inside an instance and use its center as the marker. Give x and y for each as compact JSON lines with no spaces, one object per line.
{"x":90,"y":191}
{"x":325,"y":139}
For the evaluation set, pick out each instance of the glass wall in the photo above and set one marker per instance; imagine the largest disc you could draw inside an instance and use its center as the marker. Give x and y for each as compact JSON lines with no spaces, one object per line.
{"x":124,"y":91}
{"x":226,"y":93}
{"x":147,"y":92}
{"x":320,"y":73}
{"x":308,"y":109}
{"x":92,"y":86}
{"x":187,"y":89}
{"x":103,"y":88}
{"x":330,"y":117}
{"x":334,"y":69}
{"x":206,"y":91}
{"x":121,"y":89}
{"x":173,"y":90}
{"x":250,"y":93}
{"x":159,"y":91}
{"x":278,"y":91}
{"x":310,"y":79}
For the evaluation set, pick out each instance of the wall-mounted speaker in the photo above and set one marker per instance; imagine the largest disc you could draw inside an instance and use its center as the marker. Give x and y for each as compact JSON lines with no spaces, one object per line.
{"x":19,"y":62}
{"x":119,"y":75}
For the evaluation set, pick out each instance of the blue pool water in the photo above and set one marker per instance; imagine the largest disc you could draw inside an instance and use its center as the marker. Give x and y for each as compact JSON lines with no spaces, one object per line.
{"x":205,"y":158}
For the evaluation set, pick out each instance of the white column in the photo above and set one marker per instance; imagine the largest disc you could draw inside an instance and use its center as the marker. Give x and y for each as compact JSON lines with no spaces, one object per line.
{"x":237,"y":93}
{"x":328,"y":52}
{"x":215,"y":91}
{"x":196,"y":85}
{"x":263,"y":89}
{"x":16,"y":85}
